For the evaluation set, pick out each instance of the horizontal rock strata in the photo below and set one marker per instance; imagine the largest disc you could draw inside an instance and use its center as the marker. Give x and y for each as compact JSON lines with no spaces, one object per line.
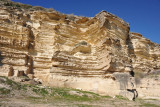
{"x":72,"y":51}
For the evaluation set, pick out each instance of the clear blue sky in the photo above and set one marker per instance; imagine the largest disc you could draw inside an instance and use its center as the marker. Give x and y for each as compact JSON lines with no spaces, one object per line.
{"x":143,"y":15}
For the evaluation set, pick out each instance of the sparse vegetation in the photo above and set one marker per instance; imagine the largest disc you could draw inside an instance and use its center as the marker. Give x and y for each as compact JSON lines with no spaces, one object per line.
{"x":84,"y":105}
{"x":57,"y":93}
{"x":145,"y":103}
{"x":4,"y":91}
{"x":11,"y":83}
{"x":150,"y":105}
{"x":38,"y":94}
{"x":121,"y":97}
{"x":17,"y":5}
{"x":41,"y":91}
{"x":65,"y":93}
{"x":21,"y":6}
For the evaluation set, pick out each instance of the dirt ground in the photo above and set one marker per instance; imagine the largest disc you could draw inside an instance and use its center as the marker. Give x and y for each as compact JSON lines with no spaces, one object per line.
{"x":106,"y":102}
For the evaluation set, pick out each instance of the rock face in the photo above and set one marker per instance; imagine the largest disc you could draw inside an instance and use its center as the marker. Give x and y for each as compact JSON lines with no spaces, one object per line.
{"x":97,"y":54}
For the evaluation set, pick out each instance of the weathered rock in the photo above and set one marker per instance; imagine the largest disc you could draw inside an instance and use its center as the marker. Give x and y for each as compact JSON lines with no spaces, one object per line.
{"x":73,"y":51}
{"x":144,"y":53}
{"x":149,"y":85}
{"x":127,"y":94}
{"x":33,"y":82}
{"x":30,"y":76}
{"x":39,"y":81}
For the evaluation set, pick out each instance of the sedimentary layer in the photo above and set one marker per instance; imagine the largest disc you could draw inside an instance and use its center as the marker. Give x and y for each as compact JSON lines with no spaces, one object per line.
{"x":72,"y":51}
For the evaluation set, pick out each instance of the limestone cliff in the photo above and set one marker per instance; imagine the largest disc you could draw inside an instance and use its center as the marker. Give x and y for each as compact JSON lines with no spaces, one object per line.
{"x":72,"y":51}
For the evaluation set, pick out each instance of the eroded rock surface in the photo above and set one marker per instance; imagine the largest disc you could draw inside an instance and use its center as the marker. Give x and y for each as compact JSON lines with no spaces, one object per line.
{"x":73,"y":51}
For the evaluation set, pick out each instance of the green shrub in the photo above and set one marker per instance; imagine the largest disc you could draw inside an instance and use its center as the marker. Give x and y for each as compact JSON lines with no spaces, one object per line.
{"x":9,"y":4}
